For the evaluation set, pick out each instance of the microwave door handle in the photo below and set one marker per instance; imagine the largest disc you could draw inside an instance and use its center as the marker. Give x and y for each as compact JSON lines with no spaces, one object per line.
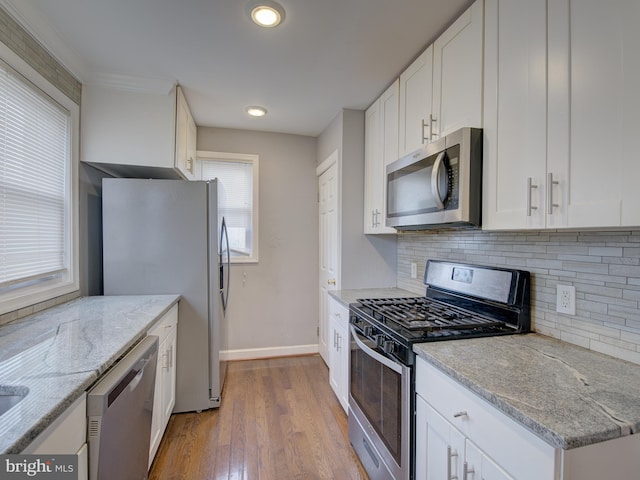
{"x":435,"y":173}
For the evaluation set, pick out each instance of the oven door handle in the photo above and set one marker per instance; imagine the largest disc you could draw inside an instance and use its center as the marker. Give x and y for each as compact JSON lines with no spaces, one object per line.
{"x":375,"y":355}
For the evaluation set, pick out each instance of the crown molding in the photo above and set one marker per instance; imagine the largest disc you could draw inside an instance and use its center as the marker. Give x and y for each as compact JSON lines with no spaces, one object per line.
{"x":130,"y":83}
{"x":36,"y":24}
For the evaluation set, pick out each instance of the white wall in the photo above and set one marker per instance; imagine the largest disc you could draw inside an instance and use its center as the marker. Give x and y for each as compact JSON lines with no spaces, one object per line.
{"x":273,"y":305}
{"x":368,"y":261}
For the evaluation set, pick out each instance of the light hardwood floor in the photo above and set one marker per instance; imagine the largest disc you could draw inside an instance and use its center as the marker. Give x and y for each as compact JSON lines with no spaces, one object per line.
{"x":279,"y":420}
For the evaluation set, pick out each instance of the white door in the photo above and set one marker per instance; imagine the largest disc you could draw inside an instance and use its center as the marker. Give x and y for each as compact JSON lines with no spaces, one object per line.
{"x":328,"y":215}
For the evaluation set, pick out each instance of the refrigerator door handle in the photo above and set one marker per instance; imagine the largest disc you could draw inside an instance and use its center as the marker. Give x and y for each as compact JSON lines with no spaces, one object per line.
{"x":224,"y":264}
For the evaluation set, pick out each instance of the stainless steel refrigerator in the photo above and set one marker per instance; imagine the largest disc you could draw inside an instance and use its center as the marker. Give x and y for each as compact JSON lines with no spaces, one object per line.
{"x":166,"y":237}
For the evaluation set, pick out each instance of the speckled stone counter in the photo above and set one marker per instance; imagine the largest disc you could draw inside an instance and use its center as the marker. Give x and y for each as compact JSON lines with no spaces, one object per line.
{"x":59,"y":353}
{"x":568,"y":395}
{"x":350,"y":296}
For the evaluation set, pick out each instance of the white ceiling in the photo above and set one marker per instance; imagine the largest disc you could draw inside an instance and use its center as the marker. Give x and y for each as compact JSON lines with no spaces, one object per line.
{"x":326,"y":55}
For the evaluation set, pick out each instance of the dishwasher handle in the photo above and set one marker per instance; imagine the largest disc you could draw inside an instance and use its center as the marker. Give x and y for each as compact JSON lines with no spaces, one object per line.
{"x":126,"y":374}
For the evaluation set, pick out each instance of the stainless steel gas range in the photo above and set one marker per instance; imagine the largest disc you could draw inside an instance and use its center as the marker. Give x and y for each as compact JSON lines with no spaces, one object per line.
{"x":461,"y":301}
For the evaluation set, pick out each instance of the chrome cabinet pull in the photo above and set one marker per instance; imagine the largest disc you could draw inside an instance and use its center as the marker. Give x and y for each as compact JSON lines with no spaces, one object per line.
{"x":432,"y":120}
{"x":373,"y":219}
{"x":466,"y":471}
{"x":530,"y":187}
{"x":450,"y":455}
{"x":424,"y":139}
{"x":460,"y":414}
{"x":550,"y":183}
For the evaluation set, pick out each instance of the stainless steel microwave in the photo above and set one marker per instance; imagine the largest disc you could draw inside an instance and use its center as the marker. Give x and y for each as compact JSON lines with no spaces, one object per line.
{"x":438,"y":186}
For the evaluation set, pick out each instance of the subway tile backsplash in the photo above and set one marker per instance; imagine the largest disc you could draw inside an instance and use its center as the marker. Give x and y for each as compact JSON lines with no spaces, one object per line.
{"x":604,"y":267}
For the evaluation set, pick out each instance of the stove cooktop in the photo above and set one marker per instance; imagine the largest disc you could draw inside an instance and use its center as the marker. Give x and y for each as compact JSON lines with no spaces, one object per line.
{"x":411,"y":320}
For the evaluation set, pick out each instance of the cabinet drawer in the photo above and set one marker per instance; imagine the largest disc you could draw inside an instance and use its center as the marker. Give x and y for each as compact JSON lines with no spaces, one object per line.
{"x":512,"y":446}
{"x":339,"y":311}
{"x":163,"y":327}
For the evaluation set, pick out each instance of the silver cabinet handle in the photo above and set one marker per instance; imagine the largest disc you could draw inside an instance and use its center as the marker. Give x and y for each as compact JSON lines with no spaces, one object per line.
{"x":432,"y":120}
{"x":530,"y":187}
{"x":466,"y":471}
{"x":373,"y":219}
{"x":450,"y":455}
{"x":460,"y":414}
{"x":424,"y":139}
{"x":550,"y":183}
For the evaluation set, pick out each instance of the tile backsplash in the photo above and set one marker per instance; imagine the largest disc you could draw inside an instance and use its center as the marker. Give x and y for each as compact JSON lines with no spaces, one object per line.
{"x":604,"y":267}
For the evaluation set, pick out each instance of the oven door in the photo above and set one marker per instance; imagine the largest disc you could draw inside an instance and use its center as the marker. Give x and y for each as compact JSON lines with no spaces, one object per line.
{"x":379,"y":405}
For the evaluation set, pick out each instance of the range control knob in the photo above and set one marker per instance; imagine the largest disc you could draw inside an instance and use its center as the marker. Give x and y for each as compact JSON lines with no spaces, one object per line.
{"x":379,"y":339}
{"x":367,"y":330}
{"x":388,"y":346}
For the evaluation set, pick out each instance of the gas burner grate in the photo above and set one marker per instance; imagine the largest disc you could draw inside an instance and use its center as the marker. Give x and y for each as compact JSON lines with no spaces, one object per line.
{"x":425,"y":314}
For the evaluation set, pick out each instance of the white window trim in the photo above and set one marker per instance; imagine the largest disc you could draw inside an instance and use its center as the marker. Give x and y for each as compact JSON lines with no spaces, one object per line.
{"x":41,"y":292}
{"x":247,"y":158}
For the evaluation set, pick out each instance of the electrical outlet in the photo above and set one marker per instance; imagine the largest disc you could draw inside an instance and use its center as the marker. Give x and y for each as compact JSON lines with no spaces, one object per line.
{"x":566,"y":299}
{"x":414,"y":270}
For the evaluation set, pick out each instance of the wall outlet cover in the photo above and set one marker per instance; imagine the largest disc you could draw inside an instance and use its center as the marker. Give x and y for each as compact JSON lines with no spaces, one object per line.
{"x":414,"y":270}
{"x":566,"y":299}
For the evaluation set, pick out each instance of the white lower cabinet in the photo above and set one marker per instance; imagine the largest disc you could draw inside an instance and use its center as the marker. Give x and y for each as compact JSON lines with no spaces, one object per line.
{"x":66,"y":435}
{"x":165,"y":389}
{"x":460,"y":435}
{"x":442,"y":452}
{"x":339,"y":351}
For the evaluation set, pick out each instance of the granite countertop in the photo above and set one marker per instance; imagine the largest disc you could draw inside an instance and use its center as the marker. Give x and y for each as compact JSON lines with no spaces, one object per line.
{"x":59,"y":353}
{"x":567,"y":395}
{"x":350,"y":296}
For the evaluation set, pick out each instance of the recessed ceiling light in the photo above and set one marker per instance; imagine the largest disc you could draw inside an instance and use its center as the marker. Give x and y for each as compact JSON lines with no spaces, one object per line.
{"x":256,"y":111}
{"x":266,"y":13}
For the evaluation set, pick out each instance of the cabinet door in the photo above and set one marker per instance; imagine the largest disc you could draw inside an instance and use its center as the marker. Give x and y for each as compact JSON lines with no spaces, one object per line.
{"x":416,"y":94}
{"x":372,"y":165}
{"x":439,"y":446}
{"x":477,"y":466}
{"x":593,"y":111}
{"x":457,"y":74}
{"x":334,"y":357}
{"x":381,"y":148}
{"x":157,"y":419}
{"x":342,"y":321}
{"x":515,"y":114}
{"x":183,"y":129}
{"x":169,"y":374}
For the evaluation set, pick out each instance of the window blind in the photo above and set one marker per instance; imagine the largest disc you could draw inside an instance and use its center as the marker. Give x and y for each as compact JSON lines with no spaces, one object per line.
{"x":236,"y":202}
{"x":34,"y":166}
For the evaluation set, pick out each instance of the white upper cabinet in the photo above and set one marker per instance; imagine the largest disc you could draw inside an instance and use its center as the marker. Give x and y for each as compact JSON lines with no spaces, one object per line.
{"x":593,"y":111}
{"x":441,"y":91}
{"x":515,"y":114}
{"x":381,"y":148}
{"x":416,"y":102}
{"x":185,"y":137}
{"x":560,"y":114}
{"x":457,"y":74}
{"x":138,"y":134}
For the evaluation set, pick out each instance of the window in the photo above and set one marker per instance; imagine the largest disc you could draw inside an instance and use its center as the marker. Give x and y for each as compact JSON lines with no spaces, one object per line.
{"x":238,"y":176}
{"x":38,"y":259}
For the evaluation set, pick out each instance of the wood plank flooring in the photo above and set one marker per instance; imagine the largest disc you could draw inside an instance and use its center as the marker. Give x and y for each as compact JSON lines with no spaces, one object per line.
{"x":279,"y":420}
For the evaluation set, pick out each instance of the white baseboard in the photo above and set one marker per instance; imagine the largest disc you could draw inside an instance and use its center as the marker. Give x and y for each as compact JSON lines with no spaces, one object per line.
{"x":255,"y":353}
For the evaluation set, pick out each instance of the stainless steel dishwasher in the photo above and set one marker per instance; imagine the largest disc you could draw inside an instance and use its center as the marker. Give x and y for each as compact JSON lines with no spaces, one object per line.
{"x":119,"y":410}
